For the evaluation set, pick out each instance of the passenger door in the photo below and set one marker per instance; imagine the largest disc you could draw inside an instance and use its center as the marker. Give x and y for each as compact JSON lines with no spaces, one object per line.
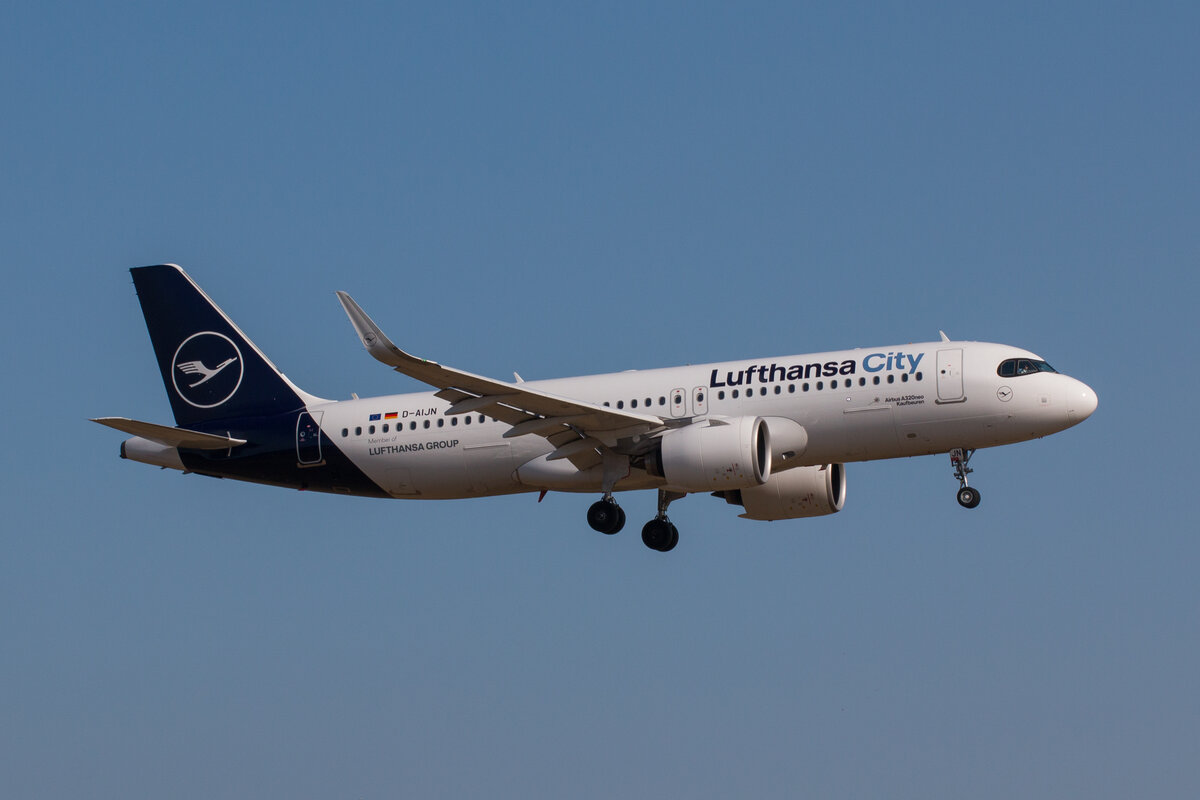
{"x":308,"y":439}
{"x":950,"y":376}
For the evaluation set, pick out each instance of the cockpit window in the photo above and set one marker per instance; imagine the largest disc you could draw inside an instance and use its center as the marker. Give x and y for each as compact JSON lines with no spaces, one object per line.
{"x":1022,"y":366}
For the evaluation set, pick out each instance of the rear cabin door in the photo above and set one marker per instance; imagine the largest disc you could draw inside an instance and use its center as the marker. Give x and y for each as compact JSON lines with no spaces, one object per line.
{"x":950,"y":376}
{"x":308,"y":438}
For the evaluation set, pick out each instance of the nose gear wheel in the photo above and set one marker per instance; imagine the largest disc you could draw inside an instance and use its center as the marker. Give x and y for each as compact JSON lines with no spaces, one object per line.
{"x":968,"y":497}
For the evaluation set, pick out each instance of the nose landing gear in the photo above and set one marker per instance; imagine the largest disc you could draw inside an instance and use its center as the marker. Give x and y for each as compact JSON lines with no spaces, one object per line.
{"x":968,"y":497}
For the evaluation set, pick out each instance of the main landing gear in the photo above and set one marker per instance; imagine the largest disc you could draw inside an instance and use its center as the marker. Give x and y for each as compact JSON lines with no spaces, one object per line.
{"x":968,"y":497}
{"x":606,"y":516}
{"x":658,"y":534}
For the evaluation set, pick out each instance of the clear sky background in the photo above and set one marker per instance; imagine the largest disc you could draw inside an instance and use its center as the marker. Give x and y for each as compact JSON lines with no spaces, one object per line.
{"x":570,"y":189}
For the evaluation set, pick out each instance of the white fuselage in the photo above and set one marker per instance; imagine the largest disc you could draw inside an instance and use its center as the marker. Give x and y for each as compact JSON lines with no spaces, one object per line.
{"x":854,"y":405}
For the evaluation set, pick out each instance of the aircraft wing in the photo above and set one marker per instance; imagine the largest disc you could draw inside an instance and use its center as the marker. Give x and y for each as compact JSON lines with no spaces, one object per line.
{"x":575,"y":427}
{"x":171,"y":437}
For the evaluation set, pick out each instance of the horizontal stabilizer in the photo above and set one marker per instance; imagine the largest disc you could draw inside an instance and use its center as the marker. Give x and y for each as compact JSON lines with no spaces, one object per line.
{"x":171,"y":437}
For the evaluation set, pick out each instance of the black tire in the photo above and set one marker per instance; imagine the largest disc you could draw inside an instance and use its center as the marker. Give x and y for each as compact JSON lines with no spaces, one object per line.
{"x":674,"y":539}
{"x":657,"y":535}
{"x":968,"y":497}
{"x":606,"y":516}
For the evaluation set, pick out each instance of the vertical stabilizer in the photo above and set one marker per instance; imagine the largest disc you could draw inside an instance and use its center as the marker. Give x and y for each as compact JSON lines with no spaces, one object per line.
{"x":211,"y":370}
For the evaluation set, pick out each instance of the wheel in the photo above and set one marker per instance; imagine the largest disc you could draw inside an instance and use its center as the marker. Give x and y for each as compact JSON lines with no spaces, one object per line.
{"x":674,"y":539}
{"x":606,"y":516}
{"x":968,"y":497}
{"x":659,"y":534}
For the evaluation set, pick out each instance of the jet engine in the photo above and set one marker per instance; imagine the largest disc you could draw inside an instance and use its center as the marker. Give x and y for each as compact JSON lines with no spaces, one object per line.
{"x":720,"y":454}
{"x":798,"y":492}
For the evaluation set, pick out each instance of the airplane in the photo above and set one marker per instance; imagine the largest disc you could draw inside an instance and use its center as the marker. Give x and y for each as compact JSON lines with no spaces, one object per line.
{"x":770,"y":435}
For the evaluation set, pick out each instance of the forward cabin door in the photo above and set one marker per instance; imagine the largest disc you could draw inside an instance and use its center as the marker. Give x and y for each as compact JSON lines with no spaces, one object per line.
{"x":950,"y":376}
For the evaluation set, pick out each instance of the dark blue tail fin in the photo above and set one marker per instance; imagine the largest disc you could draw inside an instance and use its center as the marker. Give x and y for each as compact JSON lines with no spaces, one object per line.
{"x":211,"y":370}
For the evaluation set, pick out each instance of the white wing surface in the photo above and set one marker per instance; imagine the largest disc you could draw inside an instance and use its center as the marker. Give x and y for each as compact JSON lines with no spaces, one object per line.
{"x":580,"y":430}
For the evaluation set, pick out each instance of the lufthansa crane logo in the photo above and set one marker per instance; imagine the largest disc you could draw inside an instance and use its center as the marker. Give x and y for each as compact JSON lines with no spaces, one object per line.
{"x":207,"y":369}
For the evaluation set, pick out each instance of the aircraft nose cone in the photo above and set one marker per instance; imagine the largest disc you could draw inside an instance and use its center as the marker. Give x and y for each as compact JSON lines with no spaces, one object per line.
{"x":1082,"y":403}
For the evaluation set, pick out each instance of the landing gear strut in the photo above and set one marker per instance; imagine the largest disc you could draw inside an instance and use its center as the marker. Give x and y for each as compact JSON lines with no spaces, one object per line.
{"x":606,"y":516}
{"x":968,"y":497}
{"x":660,"y":533}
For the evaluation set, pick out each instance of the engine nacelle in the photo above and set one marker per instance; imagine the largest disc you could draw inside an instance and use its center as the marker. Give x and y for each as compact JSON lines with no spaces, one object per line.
{"x":798,"y":492}
{"x":722,"y":455}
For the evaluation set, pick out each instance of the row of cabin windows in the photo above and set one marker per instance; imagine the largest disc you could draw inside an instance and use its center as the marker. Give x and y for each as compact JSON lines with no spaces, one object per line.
{"x":412,"y":426}
{"x":648,"y":402}
{"x":847,"y":383}
{"x":662,"y":400}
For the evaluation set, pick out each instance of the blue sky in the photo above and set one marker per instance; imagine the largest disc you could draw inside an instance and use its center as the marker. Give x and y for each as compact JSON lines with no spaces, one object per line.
{"x":562,"y":190}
